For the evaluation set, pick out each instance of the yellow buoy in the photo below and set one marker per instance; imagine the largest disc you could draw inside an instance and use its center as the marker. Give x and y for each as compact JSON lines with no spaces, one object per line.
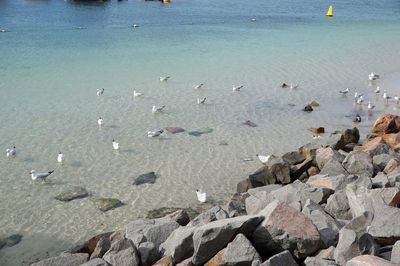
{"x":330,"y":11}
{"x":166,"y":1}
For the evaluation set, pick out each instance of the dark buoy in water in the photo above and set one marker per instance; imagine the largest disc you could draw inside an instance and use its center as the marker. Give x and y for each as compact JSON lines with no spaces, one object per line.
{"x":357,"y":119}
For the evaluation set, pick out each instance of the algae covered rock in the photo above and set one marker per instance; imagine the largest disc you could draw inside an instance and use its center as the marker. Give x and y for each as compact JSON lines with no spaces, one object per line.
{"x":105,"y":204}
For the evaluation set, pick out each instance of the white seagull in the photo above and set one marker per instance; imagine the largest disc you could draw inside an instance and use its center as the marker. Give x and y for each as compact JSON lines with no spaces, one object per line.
{"x":397,"y":99}
{"x":370,"y":106}
{"x":386,"y":97}
{"x":156,"y":109}
{"x":100,"y":91}
{"x":43,"y":176}
{"x":153,"y":134}
{"x":100,"y":121}
{"x":294,"y":86}
{"x":11,"y":152}
{"x":378,"y":90}
{"x":60,"y":157}
{"x":163,"y":79}
{"x":373,"y":76}
{"x":360,"y":99}
{"x":356,"y":95}
{"x":137,"y":94}
{"x":234,"y":88}
{"x":201,"y":101}
{"x":344,"y":92}
{"x":263,"y":158}
{"x":198,"y":86}
{"x":201,"y":196}
{"x":115,"y":145}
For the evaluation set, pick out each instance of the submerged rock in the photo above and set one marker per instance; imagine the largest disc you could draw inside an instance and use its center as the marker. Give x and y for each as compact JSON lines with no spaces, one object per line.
{"x":174,"y":130}
{"x":11,"y":240}
{"x":317,"y":130}
{"x":73,"y":193}
{"x":200,"y":132}
{"x":105,"y":204}
{"x":308,"y":108}
{"x":145,"y":178}
{"x":249,"y":123}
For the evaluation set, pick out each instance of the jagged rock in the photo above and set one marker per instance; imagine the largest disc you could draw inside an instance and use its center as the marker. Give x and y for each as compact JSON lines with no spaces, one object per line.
{"x":293,"y":157}
{"x":327,"y":253}
{"x":381,"y":160}
{"x":260,"y":178}
{"x":385,"y":225}
{"x":238,"y":252}
{"x":297,"y":170}
{"x":11,"y":240}
{"x":236,"y":205}
{"x":323,"y":155}
{"x":64,"y":259}
{"x":333,"y":168}
{"x":145,"y":178}
{"x":339,"y":139}
{"x":280,"y":259}
{"x":73,"y":193}
{"x":96,"y":262}
{"x":317,"y":130}
{"x":103,"y":245}
{"x":285,"y":228}
{"x":267,"y":188}
{"x":187,"y":262}
{"x":213,"y":214}
{"x":155,"y":231}
{"x":212,"y":237}
{"x":148,"y":253}
{"x":381,"y":148}
{"x":368,"y":260}
{"x":179,"y":245}
{"x":105,"y":204}
{"x":309,"y":151}
{"x":245,"y":184}
{"x":90,"y":245}
{"x":395,"y":258}
{"x":391,"y":166}
{"x":359,"y":163}
{"x":386,"y":124}
{"x":180,"y":216}
{"x":122,"y":253}
{"x":326,"y":225}
{"x":164,"y":261}
{"x":338,"y":206}
{"x":331,"y":182}
{"x":279,"y":169}
{"x":314,"y":261}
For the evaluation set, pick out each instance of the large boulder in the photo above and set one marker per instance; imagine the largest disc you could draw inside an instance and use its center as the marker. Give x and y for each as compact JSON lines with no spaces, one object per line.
{"x":381,"y":160}
{"x":236,"y":205}
{"x":64,"y":259}
{"x":212,"y":214}
{"x":326,"y":225}
{"x":385,"y":225}
{"x":335,"y":183}
{"x":96,"y":262}
{"x":339,"y":139}
{"x":314,"y":261}
{"x":323,"y":155}
{"x":395,"y":258}
{"x":280,"y":259}
{"x":123,"y":253}
{"x":238,"y":252}
{"x":285,"y":228}
{"x":333,"y":167}
{"x":212,"y":237}
{"x":179,"y":245}
{"x":369,"y":260}
{"x":267,"y":188}
{"x":359,"y":163}
{"x":102,"y":246}
{"x":386,"y":124}
{"x":338,"y":206}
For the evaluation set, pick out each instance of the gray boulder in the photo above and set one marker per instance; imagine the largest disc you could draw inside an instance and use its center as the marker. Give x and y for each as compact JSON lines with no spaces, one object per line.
{"x":338,"y":206}
{"x":369,"y":260}
{"x":148,"y":253}
{"x":280,"y":259}
{"x":395,"y":258}
{"x":73,"y":193}
{"x":326,"y":225}
{"x":359,"y":163}
{"x":333,"y":168}
{"x":267,"y":188}
{"x":105,"y":204}
{"x":212,"y":214}
{"x":236,"y":205}
{"x":285,"y":228}
{"x":122,"y":253}
{"x":381,"y":160}
{"x":238,"y":252}
{"x":212,"y":237}
{"x":179,"y":245}
{"x":64,"y":259}
{"x":381,"y":148}
{"x":145,"y":178}
{"x":323,"y":155}
{"x":293,"y":157}
{"x":102,"y":246}
{"x":314,"y":261}
{"x":96,"y":262}
{"x":385,"y":225}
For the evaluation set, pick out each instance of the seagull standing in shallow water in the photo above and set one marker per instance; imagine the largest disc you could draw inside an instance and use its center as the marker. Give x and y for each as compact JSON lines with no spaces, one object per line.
{"x":156,"y":109}
{"x":100,"y":91}
{"x":115,"y":145}
{"x":234,"y":88}
{"x":397,"y":99}
{"x":137,"y":94}
{"x":11,"y":152}
{"x":201,"y":101}
{"x":370,"y":106}
{"x":386,"y":97}
{"x":201,"y":196}
{"x":344,"y":92}
{"x":378,"y":90}
{"x":263,"y":158}
{"x":198,"y":86}
{"x":373,"y":76}
{"x":100,"y":121}
{"x":154,"y":134}
{"x":60,"y":157}
{"x":164,"y":79}
{"x":43,"y":176}
{"x":357,"y":119}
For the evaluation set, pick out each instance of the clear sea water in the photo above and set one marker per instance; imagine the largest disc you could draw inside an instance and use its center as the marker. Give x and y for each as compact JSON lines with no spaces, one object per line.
{"x":56,"y":54}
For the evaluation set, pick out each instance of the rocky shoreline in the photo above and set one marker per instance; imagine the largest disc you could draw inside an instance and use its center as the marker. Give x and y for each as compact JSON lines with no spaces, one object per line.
{"x":331,"y":202}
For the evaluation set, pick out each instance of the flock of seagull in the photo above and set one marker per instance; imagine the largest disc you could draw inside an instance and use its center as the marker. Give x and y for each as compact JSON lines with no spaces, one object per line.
{"x":201,"y":196}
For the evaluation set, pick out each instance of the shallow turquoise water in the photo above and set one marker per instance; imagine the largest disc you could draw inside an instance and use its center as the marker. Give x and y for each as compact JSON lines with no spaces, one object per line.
{"x":50,"y":69}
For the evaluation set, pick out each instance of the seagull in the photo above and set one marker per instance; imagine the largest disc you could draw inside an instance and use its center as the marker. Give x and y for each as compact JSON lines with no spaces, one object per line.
{"x":201,"y":196}
{"x":397,"y":99}
{"x":263,"y":158}
{"x":294,"y":87}
{"x":357,"y":119}
{"x":135,"y":26}
{"x":153,"y":134}
{"x":370,"y":106}
{"x":43,"y":176}
{"x":100,"y":91}
{"x":100,"y":121}
{"x":253,"y":20}
{"x":115,"y":145}
{"x":378,"y":90}
{"x":198,"y":86}
{"x":201,"y":101}
{"x":356,"y":95}
{"x":316,"y":136}
{"x":137,"y":94}
{"x":373,"y":76}
{"x":234,"y":88}
{"x":164,"y":79}
{"x":60,"y":157}
{"x":360,"y":99}
{"x":11,"y":152}
{"x":157,"y":108}
{"x":344,"y":92}
{"x":386,"y":97}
